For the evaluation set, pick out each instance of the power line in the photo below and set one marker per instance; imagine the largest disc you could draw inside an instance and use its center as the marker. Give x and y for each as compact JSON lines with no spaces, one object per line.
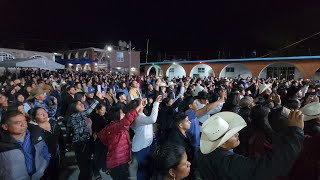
{"x":285,"y":47}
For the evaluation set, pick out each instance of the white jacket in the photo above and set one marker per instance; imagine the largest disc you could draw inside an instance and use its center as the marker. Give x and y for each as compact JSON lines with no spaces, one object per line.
{"x":143,"y":128}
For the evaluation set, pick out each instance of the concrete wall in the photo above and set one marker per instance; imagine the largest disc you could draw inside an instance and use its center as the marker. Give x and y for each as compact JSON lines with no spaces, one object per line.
{"x":306,"y":68}
{"x":238,"y":69}
{"x":179,"y":71}
{"x":135,"y":60}
{"x":207,"y":71}
{"x":17,"y":53}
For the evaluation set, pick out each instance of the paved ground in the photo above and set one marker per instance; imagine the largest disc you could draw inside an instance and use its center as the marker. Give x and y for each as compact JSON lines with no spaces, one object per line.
{"x":71,"y":171}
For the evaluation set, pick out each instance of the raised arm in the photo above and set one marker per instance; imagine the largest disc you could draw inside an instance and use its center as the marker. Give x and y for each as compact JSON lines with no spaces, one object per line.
{"x":142,"y":119}
{"x":209,"y":107}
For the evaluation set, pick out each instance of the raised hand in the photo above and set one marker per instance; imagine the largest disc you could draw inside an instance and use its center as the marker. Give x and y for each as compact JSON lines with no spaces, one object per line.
{"x":296,"y":119}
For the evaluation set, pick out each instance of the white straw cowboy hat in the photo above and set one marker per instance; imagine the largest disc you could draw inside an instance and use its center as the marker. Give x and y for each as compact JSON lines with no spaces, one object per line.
{"x":218,"y":129}
{"x":264,"y":87}
{"x":311,"y":111}
{"x":163,"y":84}
{"x":171,"y":83}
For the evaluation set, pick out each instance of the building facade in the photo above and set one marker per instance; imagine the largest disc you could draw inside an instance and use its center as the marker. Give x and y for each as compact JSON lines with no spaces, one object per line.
{"x":7,"y":54}
{"x":122,"y":61}
{"x":306,"y":67}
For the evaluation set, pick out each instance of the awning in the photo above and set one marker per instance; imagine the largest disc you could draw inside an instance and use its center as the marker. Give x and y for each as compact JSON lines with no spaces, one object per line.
{"x":42,"y":63}
{"x":75,"y":61}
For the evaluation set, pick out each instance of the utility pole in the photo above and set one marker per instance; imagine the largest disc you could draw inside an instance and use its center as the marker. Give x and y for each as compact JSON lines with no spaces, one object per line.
{"x":147,"y":51}
{"x":130,"y":58}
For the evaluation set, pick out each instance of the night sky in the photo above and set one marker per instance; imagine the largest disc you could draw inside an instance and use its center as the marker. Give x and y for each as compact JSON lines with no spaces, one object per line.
{"x":200,"y":28}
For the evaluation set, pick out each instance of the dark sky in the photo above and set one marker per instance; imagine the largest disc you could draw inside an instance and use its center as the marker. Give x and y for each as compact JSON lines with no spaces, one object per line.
{"x":173,"y":26}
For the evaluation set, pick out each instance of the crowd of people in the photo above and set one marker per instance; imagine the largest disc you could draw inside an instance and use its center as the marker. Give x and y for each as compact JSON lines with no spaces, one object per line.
{"x":180,"y":128}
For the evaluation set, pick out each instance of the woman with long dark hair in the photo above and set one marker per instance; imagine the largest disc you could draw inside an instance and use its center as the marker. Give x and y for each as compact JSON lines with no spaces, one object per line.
{"x":116,"y":137}
{"x":99,"y":121}
{"x":170,"y":163}
{"x":49,"y":131}
{"x":80,"y":125}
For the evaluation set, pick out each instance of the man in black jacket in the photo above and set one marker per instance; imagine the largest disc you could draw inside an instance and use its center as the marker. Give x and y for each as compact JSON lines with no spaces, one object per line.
{"x":67,"y":99}
{"x":220,"y":135}
{"x":178,"y":134}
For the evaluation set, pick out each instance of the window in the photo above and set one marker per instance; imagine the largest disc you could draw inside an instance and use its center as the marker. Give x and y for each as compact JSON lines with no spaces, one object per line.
{"x":200,"y":70}
{"x":230,"y":69}
{"x":85,"y":54}
{"x":120,"y":57}
{"x":5,"y":56}
{"x":281,"y":72}
{"x":36,"y":56}
{"x":72,"y":56}
{"x":171,"y":70}
{"x":77,"y":55}
{"x":160,"y":73}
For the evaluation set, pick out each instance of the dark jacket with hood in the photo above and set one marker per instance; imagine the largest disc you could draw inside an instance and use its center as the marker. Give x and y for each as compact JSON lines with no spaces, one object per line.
{"x":12,"y":158}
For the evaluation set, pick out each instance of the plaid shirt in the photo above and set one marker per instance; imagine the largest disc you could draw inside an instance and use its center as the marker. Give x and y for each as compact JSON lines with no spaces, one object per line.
{"x":52,"y":110}
{"x":81,"y":130}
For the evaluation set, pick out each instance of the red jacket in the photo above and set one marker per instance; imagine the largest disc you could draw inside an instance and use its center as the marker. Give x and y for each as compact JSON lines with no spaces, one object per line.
{"x":115,"y":135}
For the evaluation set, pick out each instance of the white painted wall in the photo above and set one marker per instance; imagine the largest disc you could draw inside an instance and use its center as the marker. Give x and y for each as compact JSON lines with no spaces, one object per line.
{"x":157,"y":70}
{"x":206,"y":67}
{"x":17,"y":53}
{"x":297,"y":74}
{"x":179,"y":72}
{"x":238,"y":69}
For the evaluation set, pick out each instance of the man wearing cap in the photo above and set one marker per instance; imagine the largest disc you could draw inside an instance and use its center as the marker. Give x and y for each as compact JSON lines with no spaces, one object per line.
{"x":215,"y":159}
{"x":203,"y":101}
{"x":89,"y":96}
{"x":37,"y":97}
{"x":191,"y":109}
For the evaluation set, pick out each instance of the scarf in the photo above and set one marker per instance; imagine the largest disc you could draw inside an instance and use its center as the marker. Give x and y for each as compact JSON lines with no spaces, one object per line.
{"x":27,"y":151}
